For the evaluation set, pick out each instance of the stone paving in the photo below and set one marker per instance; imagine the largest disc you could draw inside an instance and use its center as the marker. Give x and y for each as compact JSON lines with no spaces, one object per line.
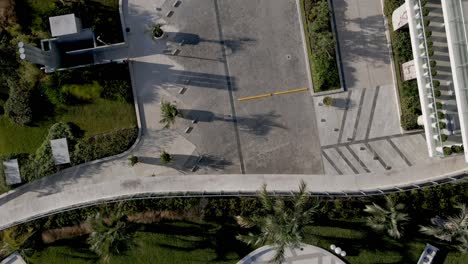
{"x":361,"y":132}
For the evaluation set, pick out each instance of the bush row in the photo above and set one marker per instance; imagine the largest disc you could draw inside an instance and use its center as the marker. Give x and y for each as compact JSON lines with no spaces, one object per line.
{"x":325,"y":74}
{"x":408,"y":90}
{"x":421,"y":204}
{"x":41,"y":163}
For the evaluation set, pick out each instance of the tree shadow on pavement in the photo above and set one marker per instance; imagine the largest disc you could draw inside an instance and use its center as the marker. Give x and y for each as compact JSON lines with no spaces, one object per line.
{"x":257,"y":124}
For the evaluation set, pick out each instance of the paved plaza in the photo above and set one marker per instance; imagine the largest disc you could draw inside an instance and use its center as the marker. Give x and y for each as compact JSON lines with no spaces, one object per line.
{"x":252,"y":47}
{"x":361,"y":132}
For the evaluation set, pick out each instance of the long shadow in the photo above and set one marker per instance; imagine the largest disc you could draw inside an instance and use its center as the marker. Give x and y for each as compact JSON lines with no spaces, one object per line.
{"x":257,"y":124}
{"x":231,"y":45}
{"x":187,"y":162}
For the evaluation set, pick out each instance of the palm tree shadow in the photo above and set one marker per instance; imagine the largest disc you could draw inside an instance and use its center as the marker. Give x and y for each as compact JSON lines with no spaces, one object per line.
{"x":257,"y":124}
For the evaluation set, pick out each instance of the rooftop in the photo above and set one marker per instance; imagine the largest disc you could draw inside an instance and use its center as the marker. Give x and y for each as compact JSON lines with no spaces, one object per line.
{"x":64,"y":25}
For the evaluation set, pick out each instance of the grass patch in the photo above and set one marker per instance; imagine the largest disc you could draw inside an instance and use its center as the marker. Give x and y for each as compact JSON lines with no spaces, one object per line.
{"x":94,"y":118}
{"x":101,"y":116}
{"x":19,"y":139}
{"x":179,"y":243}
{"x":186,"y":242}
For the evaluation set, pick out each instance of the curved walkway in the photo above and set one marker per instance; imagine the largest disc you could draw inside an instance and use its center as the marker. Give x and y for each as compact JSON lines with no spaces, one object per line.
{"x":305,"y":254}
{"x":63,"y":192}
{"x":113,"y":179}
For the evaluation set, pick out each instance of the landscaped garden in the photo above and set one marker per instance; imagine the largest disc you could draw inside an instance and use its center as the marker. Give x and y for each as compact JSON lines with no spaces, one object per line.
{"x":321,"y":44}
{"x":402,"y":52}
{"x":92,"y":106}
{"x":392,"y":229}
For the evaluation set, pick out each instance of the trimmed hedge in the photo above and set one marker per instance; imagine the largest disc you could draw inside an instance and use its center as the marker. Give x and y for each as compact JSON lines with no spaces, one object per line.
{"x":82,"y":150}
{"x":18,"y":106}
{"x":408,"y":90}
{"x":104,"y":145}
{"x":324,"y":67}
{"x":447,"y":151}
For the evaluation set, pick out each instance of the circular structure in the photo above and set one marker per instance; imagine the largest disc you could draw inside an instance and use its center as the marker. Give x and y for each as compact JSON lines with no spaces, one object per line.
{"x":332,"y":246}
{"x":305,"y":254}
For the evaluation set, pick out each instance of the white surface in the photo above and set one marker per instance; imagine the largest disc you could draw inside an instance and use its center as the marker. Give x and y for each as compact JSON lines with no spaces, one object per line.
{"x":64,"y":25}
{"x":399,"y":17}
{"x":12,"y":173}
{"x":60,"y":151}
{"x":409,"y":70}
{"x":306,"y":254}
{"x":14,"y":258}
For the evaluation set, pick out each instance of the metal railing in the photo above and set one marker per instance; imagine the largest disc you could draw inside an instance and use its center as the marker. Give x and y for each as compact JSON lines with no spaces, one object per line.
{"x":220,"y":194}
{"x":428,"y":79}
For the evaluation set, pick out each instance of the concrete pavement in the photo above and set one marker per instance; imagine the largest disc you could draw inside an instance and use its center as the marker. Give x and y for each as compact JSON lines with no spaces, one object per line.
{"x":45,"y":196}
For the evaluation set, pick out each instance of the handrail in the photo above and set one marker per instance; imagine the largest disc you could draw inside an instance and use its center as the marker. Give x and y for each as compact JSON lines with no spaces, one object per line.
{"x":431,"y":83}
{"x":204,"y":194}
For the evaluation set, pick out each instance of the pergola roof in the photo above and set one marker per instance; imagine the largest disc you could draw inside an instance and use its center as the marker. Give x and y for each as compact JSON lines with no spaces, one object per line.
{"x":12,"y":173}
{"x":60,"y":151}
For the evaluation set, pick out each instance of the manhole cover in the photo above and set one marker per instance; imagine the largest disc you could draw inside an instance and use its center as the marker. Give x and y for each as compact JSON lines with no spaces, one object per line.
{"x":288,"y":57}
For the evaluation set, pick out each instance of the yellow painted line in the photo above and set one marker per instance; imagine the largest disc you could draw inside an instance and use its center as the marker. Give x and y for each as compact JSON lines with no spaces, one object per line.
{"x":272,"y":94}
{"x":291,"y":91}
{"x":255,"y":97}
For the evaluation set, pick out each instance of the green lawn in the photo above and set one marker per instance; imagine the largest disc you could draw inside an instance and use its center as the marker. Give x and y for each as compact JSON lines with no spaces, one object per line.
{"x":94,"y":118}
{"x":165,"y":243}
{"x":213,"y":243}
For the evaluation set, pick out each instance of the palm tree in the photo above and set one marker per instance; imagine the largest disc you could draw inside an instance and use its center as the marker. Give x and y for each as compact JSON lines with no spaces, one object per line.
{"x":13,"y":239}
{"x":111,"y":233}
{"x":389,"y":219}
{"x":281,"y":225}
{"x":169,"y":112}
{"x":452,"y":228}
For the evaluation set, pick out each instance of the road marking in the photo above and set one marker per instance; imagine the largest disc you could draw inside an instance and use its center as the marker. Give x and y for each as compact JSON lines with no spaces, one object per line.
{"x":272,"y":94}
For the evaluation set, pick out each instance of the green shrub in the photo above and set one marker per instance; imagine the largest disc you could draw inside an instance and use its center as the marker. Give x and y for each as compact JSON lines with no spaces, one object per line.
{"x":41,"y":163}
{"x":423,"y":2}
{"x":442,"y":125}
{"x":436,"y":83}
{"x":133,"y":160}
{"x":165,"y":157}
{"x":437,"y":93}
{"x":433,"y":63}
{"x":425,"y":11}
{"x":118,"y":90}
{"x":83,"y":92}
{"x":428,"y":34}
{"x":443,"y":137}
{"x":439,"y":105}
{"x":440,"y":115}
{"x":391,"y":5}
{"x":157,"y":31}
{"x":18,"y":105}
{"x":409,"y":119}
{"x":433,"y":72}
{"x":430,"y":52}
{"x":319,"y":17}
{"x":328,"y":101}
{"x":430,"y":44}
{"x":427,"y":22}
{"x":104,"y":145}
{"x":457,"y":149}
{"x":402,"y":45}
{"x":325,"y":72}
{"x":447,"y":151}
